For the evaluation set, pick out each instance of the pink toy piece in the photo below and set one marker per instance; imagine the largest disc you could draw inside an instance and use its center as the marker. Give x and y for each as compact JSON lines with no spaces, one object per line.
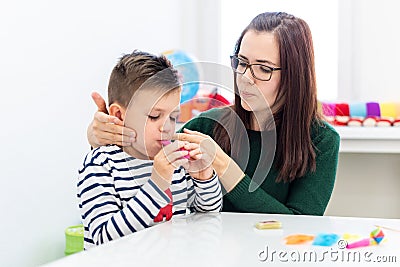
{"x":167,"y":142}
{"x":328,"y":109}
{"x":360,"y":243}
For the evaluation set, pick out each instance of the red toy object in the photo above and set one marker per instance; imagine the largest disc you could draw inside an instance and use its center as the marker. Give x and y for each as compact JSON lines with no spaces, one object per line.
{"x":342,"y":114}
{"x":165,"y":211}
{"x":369,"y":122}
{"x":355,"y":122}
{"x":384,"y":122}
{"x":342,"y":109}
{"x":341,"y":120}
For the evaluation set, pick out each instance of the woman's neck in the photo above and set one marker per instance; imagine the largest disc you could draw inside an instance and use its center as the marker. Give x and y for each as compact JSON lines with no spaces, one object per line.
{"x":262,"y":121}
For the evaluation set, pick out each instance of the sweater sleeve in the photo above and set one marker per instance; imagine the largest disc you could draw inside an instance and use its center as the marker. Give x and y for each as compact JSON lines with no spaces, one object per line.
{"x":205,"y":195}
{"x":103,"y":215}
{"x":309,"y":194}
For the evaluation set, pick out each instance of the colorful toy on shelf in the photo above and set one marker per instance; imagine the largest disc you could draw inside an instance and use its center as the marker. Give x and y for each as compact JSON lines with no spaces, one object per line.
{"x":367,"y":114}
{"x":200,"y":103}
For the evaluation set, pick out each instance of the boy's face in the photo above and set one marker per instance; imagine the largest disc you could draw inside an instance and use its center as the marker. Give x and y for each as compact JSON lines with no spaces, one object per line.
{"x":152,"y":114}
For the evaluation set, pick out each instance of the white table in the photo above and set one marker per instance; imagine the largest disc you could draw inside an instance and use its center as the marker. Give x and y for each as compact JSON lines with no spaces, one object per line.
{"x":230,"y":239}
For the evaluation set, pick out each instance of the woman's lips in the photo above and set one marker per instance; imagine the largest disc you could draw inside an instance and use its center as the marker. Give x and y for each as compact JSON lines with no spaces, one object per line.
{"x":246,"y":94}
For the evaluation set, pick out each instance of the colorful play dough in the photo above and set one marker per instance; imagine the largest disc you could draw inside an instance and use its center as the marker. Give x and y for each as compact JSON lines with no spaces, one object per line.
{"x":325,"y":240}
{"x":297,"y":239}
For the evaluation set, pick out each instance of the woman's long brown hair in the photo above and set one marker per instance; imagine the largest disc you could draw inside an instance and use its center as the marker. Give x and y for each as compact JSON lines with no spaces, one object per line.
{"x":295,"y":107}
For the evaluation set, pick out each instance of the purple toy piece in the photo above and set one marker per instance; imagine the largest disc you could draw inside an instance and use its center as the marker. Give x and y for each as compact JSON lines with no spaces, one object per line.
{"x":373,"y":109}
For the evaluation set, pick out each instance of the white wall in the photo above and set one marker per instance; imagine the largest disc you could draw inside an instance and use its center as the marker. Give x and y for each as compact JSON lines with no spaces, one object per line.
{"x":369,"y":53}
{"x":53,"y":54}
{"x":367,"y":185}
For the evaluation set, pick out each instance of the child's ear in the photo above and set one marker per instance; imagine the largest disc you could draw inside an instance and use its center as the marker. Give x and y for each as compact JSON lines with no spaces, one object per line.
{"x":118,"y":111}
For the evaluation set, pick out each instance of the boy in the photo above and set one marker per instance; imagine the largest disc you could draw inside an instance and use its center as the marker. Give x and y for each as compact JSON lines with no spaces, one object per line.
{"x":121,"y":192}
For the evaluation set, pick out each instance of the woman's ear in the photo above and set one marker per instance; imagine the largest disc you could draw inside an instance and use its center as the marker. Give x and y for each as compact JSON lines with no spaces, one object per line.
{"x":118,"y":111}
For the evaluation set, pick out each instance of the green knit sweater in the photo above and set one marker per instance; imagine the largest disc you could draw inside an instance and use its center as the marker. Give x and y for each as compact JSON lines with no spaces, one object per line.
{"x":309,"y":194}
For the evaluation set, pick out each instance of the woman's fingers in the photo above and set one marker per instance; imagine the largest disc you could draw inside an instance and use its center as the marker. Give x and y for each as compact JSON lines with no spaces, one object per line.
{"x":191,"y":146}
{"x":174,"y":146}
{"x":103,"y":123}
{"x":195,"y":133}
{"x":100,"y":103}
{"x":188,"y":137}
{"x":102,"y":117}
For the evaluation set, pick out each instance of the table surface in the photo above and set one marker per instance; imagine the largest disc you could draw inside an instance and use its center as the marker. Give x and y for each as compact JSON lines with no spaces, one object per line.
{"x":230,"y":239}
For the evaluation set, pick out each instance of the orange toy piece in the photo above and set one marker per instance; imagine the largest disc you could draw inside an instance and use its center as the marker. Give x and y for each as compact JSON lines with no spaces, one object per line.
{"x":298,"y":239}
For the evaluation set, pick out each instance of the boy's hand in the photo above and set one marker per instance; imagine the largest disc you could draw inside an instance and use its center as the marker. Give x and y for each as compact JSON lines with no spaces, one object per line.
{"x":106,"y":129}
{"x":166,"y":161}
{"x":200,"y":163}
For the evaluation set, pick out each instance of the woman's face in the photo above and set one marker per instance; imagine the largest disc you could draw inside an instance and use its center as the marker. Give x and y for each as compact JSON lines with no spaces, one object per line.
{"x":260,"y":48}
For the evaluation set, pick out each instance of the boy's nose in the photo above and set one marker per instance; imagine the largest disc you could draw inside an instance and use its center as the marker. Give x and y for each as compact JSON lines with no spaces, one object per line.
{"x":166,"y":127}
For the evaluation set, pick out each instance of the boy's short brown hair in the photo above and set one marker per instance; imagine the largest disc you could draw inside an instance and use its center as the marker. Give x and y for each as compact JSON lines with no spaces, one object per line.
{"x":133,"y":70}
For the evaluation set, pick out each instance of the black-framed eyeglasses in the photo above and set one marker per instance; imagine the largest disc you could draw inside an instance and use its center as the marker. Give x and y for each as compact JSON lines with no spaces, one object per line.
{"x":259,"y":71}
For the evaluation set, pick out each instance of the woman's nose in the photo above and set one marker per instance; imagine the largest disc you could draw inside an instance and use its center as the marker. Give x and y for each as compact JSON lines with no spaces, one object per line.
{"x":248,"y":76}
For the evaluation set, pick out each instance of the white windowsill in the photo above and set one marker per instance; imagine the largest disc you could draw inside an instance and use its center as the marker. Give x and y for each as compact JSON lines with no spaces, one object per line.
{"x":369,"y":139}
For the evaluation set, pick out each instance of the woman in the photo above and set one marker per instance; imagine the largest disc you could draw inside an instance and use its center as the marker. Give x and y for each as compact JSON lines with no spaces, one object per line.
{"x":275,"y":101}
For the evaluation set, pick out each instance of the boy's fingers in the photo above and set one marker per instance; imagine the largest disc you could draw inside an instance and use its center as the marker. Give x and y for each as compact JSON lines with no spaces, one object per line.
{"x":99,"y":101}
{"x":180,"y":162}
{"x":195,"y":152}
{"x":177,"y":155}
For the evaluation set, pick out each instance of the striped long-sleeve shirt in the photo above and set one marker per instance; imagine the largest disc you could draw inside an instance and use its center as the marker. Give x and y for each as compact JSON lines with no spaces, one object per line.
{"x":117,"y":197}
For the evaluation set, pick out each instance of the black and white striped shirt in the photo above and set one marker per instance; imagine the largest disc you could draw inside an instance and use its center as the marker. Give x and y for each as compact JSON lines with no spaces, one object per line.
{"x":117,"y":197}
